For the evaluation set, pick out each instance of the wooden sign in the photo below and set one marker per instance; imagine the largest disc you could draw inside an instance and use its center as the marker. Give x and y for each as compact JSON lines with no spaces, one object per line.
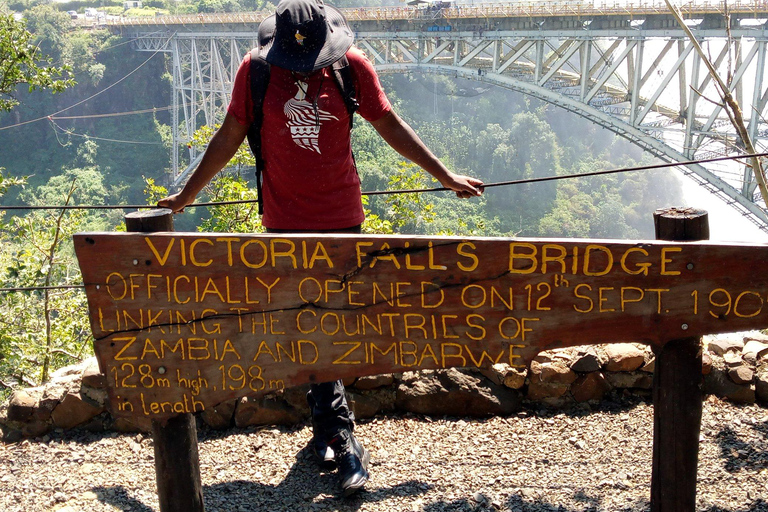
{"x":185,"y":321}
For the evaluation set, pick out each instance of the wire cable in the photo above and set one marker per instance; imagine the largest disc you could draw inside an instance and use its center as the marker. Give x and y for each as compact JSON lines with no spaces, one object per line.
{"x":93,"y":137}
{"x":582,"y":175}
{"x":41,"y":288}
{"x":113,"y":114}
{"x":407,"y":191}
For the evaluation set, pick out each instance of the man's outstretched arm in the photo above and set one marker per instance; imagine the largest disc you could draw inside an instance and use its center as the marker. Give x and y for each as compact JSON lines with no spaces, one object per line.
{"x":398,"y":134}
{"x":219,"y":152}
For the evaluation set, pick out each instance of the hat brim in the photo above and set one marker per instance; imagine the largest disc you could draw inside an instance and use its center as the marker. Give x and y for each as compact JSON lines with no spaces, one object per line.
{"x":338,"y":41}
{"x":266,"y":33}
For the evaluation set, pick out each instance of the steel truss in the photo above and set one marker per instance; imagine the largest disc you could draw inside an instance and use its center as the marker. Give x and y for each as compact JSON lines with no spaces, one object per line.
{"x":648,"y":86}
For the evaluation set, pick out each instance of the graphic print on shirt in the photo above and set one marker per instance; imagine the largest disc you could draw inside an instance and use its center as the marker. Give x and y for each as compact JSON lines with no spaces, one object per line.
{"x":304,"y":119}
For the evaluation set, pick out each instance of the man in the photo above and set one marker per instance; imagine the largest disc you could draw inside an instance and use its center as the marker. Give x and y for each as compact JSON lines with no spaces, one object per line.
{"x":310,"y":181}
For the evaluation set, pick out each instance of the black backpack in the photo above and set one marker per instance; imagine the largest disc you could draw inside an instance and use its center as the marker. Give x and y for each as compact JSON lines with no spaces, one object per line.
{"x":260,"y":72}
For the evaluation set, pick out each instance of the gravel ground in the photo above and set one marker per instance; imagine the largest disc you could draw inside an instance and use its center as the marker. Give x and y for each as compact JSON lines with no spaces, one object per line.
{"x":584,"y":459}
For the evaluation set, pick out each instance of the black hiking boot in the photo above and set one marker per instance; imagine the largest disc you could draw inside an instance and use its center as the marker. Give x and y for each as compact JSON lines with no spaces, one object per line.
{"x":352,"y":460}
{"x":323,"y":453}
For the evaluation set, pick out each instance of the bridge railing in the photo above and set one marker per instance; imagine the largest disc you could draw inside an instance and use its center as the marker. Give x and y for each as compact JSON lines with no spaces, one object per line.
{"x":490,"y":10}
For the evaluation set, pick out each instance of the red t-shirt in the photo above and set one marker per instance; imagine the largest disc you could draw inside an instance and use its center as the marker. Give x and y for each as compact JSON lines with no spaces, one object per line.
{"x":310,"y":179}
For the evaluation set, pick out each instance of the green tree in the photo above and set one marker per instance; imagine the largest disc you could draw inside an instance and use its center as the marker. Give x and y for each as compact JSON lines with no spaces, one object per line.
{"x":51,"y":29}
{"x":44,"y":324}
{"x":21,"y":62}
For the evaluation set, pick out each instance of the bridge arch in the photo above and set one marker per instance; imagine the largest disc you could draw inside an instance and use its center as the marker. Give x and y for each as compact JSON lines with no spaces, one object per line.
{"x":654,"y":146}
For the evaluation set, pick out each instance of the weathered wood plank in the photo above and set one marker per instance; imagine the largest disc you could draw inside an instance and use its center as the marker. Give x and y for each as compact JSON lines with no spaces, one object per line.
{"x":186,"y":321}
{"x":677,"y":395}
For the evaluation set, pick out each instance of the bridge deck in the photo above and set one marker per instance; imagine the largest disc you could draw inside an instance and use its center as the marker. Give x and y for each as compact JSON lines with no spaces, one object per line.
{"x":575,"y":10}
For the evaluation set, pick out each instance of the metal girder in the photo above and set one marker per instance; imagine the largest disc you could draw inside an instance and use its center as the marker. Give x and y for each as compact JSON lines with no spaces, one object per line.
{"x":204,"y":68}
{"x":631,"y":81}
{"x":674,"y":70}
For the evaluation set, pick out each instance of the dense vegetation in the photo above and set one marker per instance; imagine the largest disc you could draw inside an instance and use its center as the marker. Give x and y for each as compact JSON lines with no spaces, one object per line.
{"x":74,"y":148}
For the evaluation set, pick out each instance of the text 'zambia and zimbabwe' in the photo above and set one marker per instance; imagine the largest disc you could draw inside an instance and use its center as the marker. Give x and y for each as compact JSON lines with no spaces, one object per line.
{"x":184,"y":321}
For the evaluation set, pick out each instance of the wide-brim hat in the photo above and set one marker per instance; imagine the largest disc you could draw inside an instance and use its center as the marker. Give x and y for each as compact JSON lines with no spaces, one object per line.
{"x":308,"y":35}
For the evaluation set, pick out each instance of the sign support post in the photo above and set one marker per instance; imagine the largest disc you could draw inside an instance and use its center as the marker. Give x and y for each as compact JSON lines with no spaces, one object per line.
{"x":177,"y":461}
{"x":677,"y":396}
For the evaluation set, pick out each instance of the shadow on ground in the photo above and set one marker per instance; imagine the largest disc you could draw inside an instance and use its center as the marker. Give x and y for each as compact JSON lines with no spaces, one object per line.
{"x":740,"y":454}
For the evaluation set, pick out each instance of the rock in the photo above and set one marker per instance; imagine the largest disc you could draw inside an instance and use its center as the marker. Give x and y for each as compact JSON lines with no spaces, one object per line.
{"x":456,"y":393}
{"x":758,"y":348}
{"x":588,"y":361}
{"x":591,"y":386}
{"x":73,"y":411}
{"x":35,"y":428}
{"x":220,"y":416}
{"x":69,"y":373}
{"x":706,"y":363}
{"x":363,"y":405}
{"x":624,"y":357}
{"x":12,"y":435}
{"x":761,"y":383}
{"x":563,"y":354}
{"x":741,"y":374}
{"x":23,"y":404}
{"x":723,"y":343}
{"x":505,"y":374}
{"x":630,"y":380}
{"x":515,"y":378}
{"x":544,"y":390}
{"x":552,"y":373}
{"x":97,"y":396}
{"x":98,"y":423}
{"x":549,"y":380}
{"x":717,"y":383}
{"x":749,"y":358}
{"x":649,"y":363}
{"x":760,"y":336}
{"x":92,"y":376}
{"x":54,"y":393}
{"x":733,"y":359}
{"x":544,"y":357}
{"x":266,"y":410}
{"x":297,"y":398}
{"x":374,"y":381}
{"x":495,"y":373}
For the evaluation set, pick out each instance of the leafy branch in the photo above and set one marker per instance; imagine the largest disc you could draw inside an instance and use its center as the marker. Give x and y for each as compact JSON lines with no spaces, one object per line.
{"x":51,"y":260}
{"x":20,"y":63}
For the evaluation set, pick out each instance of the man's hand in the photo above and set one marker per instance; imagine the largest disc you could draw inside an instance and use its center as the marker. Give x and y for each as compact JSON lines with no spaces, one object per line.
{"x":398,"y":134}
{"x":464,"y":186}
{"x":175,"y":202}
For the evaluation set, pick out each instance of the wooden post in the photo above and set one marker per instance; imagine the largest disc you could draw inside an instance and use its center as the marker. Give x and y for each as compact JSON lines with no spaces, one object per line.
{"x":177,"y":462}
{"x":677,"y":397}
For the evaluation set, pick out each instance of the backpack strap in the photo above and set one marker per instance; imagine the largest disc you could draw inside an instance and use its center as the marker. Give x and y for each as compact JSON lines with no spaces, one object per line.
{"x":342,"y":72}
{"x":259,"y":76}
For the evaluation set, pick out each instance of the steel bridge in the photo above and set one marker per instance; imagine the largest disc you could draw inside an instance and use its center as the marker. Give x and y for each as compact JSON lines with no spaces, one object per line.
{"x":629,"y":68}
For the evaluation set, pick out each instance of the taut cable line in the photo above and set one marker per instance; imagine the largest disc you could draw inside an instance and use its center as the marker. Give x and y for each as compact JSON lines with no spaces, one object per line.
{"x":404,"y":191}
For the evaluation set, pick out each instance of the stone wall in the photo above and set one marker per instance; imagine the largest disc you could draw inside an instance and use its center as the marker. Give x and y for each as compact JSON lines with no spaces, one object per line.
{"x":735,"y":367}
